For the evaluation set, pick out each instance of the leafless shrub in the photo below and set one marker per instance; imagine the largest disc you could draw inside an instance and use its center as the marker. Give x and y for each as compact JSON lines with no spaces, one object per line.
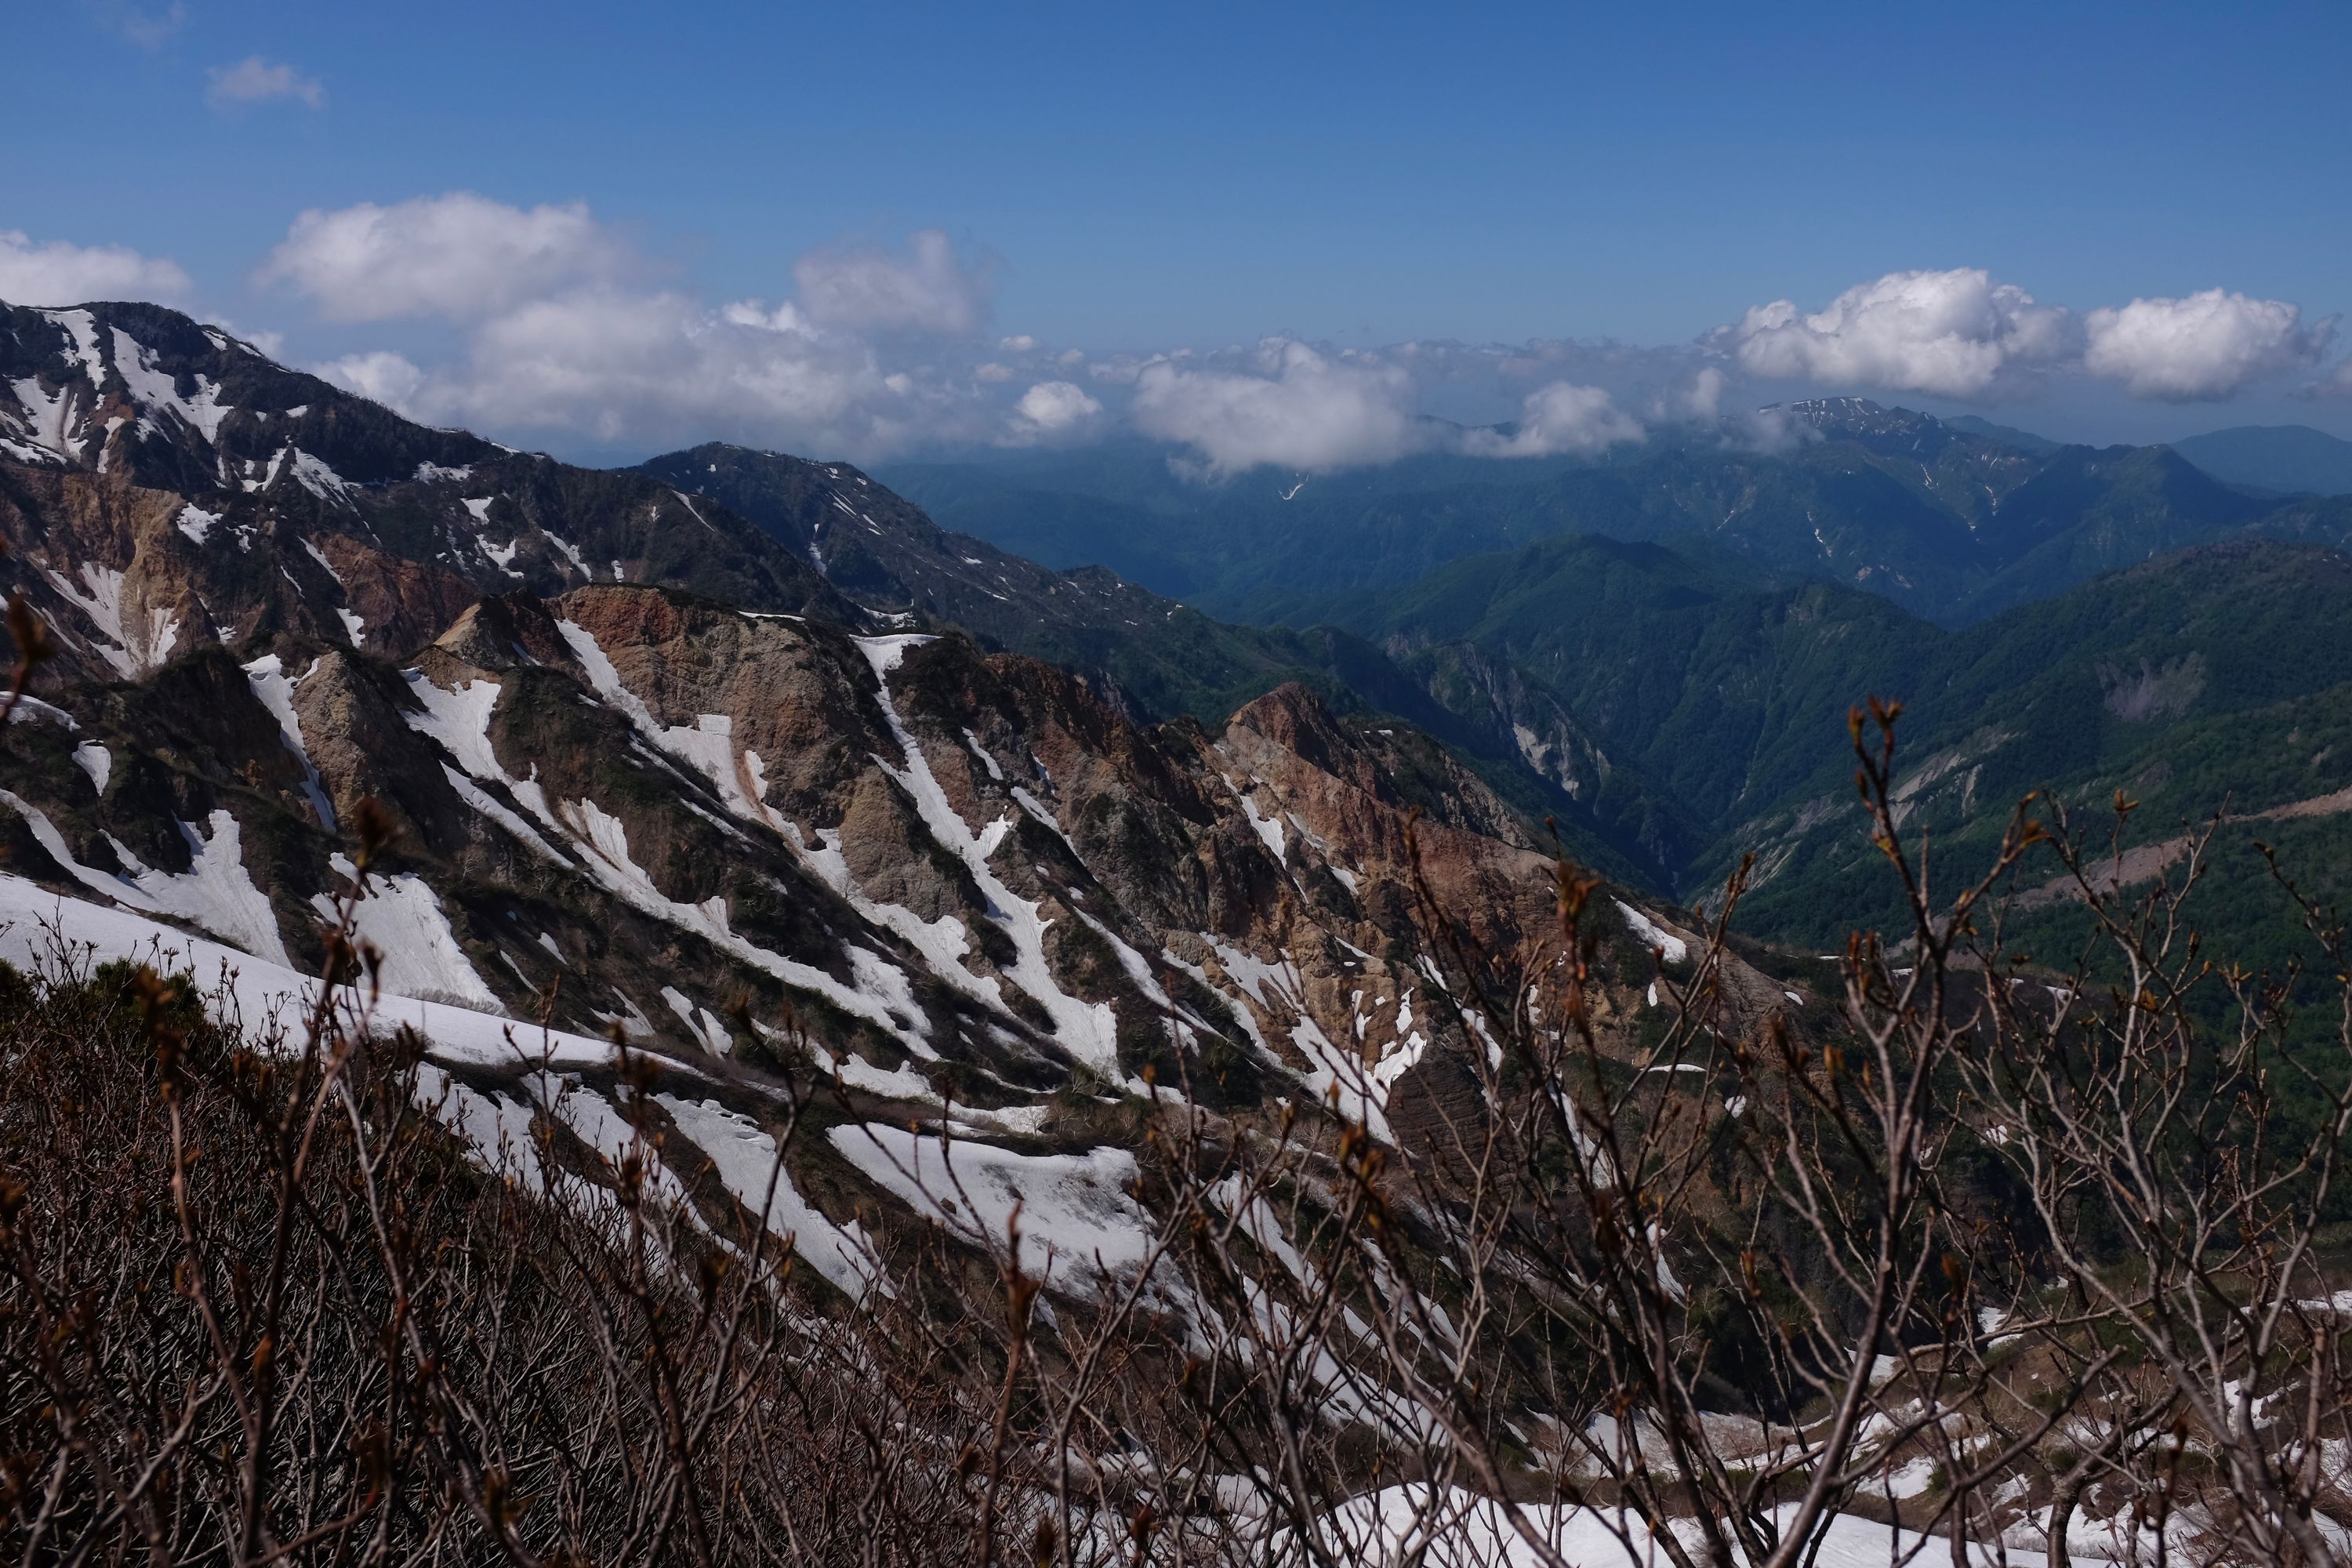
{"x":1999,"y":1252}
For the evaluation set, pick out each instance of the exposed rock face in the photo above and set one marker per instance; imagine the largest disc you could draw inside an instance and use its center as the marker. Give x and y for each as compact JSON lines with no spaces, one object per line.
{"x":946,"y":856}
{"x":715,"y":813}
{"x":169,"y":488}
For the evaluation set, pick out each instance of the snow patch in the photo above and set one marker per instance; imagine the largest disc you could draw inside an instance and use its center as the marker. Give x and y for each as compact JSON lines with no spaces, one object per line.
{"x":747,"y":1162}
{"x":267,"y":679}
{"x":158,"y":395}
{"x":324,"y":564}
{"x":135,"y":651}
{"x":48,"y":418}
{"x":31,"y":709}
{"x":96,"y":761}
{"x":1652,"y":935}
{"x":1270,"y":828}
{"x":196,"y":521}
{"x":571,"y":552}
{"x":214,"y":892}
{"x":1079,"y":1224}
{"x":701,"y":1023}
{"x":421,"y":957}
{"x":317,"y":477}
{"x":1086,"y":1030}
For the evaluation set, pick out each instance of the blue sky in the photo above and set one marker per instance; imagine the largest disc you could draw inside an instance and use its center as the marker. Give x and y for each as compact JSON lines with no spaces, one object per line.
{"x":1121,"y":183}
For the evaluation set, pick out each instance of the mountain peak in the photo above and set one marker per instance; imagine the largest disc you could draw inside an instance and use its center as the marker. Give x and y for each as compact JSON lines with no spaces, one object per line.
{"x":1860,"y":418}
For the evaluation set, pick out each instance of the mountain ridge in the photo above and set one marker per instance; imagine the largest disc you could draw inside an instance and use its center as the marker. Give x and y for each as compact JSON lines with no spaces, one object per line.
{"x":1881,"y":497}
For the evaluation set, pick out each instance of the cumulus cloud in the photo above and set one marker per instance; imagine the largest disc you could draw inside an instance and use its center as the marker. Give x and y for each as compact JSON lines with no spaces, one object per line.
{"x":562,"y":332}
{"x":459,"y":255}
{"x":878,"y":352}
{"x":625,"y":365}
{"x":1294,"y":408}
{"x":257,"y":80}
{"x":1052,"y":411}
{"x":389,"y":378}
{"x":658,"y":367}
{"x":1948,"y":334}
{"x":1560,"y":418}
{"x":929,"y":290}
{"x":62,"y":274}
{"x":2207,"y":346}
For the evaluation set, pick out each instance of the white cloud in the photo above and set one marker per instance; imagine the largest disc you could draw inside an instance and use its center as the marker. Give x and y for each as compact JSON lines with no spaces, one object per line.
{"x":1949,"y":334}
{"x":1299,"y":409}
{"x":62,"y":274}
{"x":560,"y":333}
{"x":256,"y":81}
{"x":879,"y":352}
{"x":928,"y":290}
{"x":1705,"y":398}
{"x":1052,"y":411}
{"x":1560,"y":418}
{"x":2207,"y":346}
{"x":459,"y":255}
{"x":388,"y":378}
{"x":642,"y":368}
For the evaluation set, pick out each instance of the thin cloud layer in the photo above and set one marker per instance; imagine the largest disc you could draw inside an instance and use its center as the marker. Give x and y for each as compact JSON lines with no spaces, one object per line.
{"x":1948,"y":334}
{"x":2207,"y":346}
{"x":58,"y":273}
{"x":149,"y":30}
{"x":257,"y":80}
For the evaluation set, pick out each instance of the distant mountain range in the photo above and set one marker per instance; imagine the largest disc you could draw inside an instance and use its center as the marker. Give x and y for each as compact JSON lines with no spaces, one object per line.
{"x":2285,"y":460}
{"x":1949,"y":522}
{"x":2283,"y":457}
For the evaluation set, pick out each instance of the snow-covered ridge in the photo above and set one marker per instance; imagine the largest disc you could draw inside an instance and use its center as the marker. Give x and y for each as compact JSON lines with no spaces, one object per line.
{"x":1085,"y":1029}
{"x":460,"y":720}
{"x":262,"y":989}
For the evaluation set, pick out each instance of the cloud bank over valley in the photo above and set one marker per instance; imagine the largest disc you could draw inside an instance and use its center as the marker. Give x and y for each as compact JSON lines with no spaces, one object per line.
{"x":547,"y":324}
